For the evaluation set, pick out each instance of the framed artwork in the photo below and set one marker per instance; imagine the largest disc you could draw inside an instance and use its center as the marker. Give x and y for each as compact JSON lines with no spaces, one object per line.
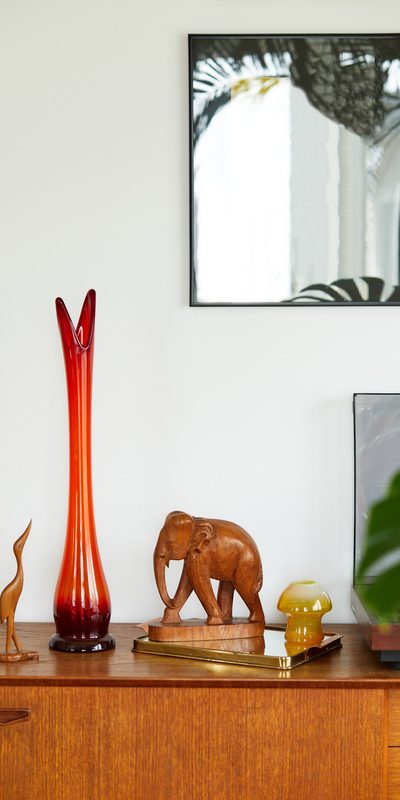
{"x":294,"y":169}
{"x":376,"y":456}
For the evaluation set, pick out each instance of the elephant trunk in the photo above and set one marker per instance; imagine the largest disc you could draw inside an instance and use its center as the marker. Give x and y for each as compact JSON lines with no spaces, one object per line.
{"x":160,"y":563}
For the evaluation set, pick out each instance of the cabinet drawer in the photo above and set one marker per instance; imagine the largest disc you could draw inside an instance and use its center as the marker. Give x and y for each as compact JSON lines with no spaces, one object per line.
{"x":394,"y":773}
{"x":153,"y":743}
{"x":394,"y":718}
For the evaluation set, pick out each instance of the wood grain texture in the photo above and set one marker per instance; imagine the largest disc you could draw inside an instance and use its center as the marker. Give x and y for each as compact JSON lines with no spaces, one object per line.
{"x":8,"y":603}
{"x":353,"y":665}
{"x":394,"y":774}
{"x":106,"y":726}
{"x":209,"y":548}
{"x":11,"y":716}
{"x":195,"y":630}
{"x":247,"y":743}
{"x":394,"y":717}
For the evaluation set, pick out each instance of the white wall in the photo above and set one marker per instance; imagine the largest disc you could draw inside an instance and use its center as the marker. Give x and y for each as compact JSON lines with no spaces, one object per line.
{"x":242,"y":413}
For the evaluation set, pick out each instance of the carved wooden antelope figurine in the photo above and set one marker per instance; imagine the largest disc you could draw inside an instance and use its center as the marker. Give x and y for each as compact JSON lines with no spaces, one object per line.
{"x":8,"y":603}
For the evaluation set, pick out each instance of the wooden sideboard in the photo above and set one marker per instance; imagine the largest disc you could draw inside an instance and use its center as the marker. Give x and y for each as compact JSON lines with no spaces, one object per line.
{"x":140,"y":727}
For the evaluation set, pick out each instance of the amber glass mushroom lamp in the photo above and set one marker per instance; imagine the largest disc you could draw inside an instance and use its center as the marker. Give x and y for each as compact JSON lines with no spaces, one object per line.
{"x":82,"y":607}
{"x":304,"y":603}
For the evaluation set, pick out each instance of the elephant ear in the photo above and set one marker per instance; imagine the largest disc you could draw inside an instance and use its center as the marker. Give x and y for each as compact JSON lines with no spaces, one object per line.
{"x":203,"y":531}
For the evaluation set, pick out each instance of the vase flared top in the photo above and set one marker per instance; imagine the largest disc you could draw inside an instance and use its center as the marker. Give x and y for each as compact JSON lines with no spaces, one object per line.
{"x":81,"y":336}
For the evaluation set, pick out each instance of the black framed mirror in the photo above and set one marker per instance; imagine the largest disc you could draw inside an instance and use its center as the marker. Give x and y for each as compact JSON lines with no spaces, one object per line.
{"x":295,"y":169}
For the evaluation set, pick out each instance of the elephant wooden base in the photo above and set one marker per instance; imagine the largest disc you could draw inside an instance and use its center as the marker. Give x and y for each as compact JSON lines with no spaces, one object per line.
{"x":22,"y":655}
{"x":197,"y":630}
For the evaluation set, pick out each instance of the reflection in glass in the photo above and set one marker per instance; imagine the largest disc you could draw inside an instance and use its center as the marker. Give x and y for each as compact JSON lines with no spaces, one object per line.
{"x":377,"y":459}
{"x":295,"y":169}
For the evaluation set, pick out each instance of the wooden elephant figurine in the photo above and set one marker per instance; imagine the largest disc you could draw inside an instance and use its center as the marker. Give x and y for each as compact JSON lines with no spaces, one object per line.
{"x":211,"y":548}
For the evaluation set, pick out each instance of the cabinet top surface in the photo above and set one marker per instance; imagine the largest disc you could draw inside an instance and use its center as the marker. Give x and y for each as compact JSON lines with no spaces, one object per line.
{"x":353,"y":665}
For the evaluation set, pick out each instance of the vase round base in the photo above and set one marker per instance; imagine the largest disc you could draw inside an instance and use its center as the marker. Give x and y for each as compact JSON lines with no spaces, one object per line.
{"x":62,"y":645}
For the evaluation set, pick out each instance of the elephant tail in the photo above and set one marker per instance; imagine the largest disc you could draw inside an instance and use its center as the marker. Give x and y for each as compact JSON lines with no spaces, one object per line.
{"x":259,"y":582}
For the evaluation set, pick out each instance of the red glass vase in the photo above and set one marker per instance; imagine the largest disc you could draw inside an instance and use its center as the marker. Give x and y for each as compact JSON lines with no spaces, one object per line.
{"x":82,"y":607}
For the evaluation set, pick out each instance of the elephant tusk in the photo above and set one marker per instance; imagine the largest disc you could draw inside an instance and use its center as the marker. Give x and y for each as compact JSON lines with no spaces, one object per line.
{"x":160,"y":562}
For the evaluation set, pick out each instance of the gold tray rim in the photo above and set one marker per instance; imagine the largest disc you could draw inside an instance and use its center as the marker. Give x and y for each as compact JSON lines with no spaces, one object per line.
{"x":331,"y":641}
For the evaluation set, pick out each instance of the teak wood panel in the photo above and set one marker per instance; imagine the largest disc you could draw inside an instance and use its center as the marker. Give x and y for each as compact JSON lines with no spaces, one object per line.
{"x":394,"y":717}
{"x":394,"y":744}
{"x":394,"y":774}
{"x":351,"y":666}
{"x":194,"y":744}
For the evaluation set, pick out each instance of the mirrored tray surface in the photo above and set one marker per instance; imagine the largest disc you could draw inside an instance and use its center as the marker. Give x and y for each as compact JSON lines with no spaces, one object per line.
{"x":270,"y":650}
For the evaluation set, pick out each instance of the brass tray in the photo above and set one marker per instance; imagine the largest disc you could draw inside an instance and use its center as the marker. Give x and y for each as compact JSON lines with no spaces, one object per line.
{"x":270,"y":650}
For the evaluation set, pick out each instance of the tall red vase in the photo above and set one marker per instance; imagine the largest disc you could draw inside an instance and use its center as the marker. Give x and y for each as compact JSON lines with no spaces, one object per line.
{"x":82,"y":606}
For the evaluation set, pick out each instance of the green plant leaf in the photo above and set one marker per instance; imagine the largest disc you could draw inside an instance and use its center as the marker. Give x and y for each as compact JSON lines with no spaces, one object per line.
{"x":383,"y":531}
{"x":383,"y":545}
{"x":383,"y":595}
{"x":384,"y":516}
{"x":394,"y":486}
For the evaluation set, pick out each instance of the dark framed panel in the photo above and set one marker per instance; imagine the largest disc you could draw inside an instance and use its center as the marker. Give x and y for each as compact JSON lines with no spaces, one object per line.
{"x":376,"y":457}
{"x":294,"y":169}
